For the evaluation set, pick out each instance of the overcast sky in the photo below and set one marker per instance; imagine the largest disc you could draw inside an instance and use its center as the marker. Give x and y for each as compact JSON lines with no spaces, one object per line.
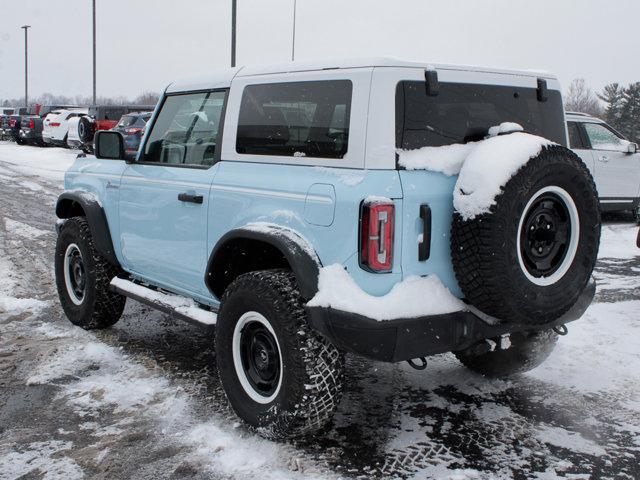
{"x":145,"y":44}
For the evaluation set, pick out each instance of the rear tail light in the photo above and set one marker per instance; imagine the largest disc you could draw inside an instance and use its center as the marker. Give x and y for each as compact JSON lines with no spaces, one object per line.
{"x":132,"y":131}
{"x":12,"y":123}
{"x":32,"y":124}
{"x":376,"y":236}
{"x":54,"y":124}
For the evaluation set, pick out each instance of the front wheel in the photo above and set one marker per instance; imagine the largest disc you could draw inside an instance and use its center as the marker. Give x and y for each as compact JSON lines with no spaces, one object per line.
{"x":527,"y":350}
{"x":280,"y":377}
{"x":83,"y":278}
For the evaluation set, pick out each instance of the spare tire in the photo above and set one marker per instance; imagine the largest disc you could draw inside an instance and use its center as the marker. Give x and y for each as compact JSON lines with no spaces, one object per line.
{"x":528,"y":259}
{"x":85,"y":130}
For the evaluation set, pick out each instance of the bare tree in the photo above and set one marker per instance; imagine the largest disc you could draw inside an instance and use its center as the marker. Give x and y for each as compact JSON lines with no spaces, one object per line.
{"x":580,"y":98}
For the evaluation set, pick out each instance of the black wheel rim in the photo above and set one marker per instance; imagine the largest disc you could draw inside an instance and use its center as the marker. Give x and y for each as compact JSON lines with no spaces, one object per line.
{"x":76,"y":273}
{"x":260,"y":358}
{"x":545,"y":235}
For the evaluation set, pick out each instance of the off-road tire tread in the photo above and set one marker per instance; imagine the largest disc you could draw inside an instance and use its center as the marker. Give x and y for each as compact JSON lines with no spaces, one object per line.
{"x":107,"y":306}
{"x":318,"y":371}
{"x":526,"y":353}
{"x":482,"y":263}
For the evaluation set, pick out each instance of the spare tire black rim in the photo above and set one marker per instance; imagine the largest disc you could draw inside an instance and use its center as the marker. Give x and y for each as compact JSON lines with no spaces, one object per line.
{"x":548,"y":235}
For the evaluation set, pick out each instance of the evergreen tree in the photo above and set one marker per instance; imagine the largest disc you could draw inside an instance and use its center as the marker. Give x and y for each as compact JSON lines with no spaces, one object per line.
{"x":630,"y":112}
{"x":613,"y":97}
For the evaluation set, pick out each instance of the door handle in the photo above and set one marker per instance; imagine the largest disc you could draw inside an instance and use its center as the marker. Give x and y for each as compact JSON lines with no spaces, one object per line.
{"x":603,"y":158}
{"x":424,"y":247}
{"x":187,"y":197}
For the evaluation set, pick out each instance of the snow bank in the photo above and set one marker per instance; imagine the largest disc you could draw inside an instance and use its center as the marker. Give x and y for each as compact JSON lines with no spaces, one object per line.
{"x":488,"y":168}
{"x":483,"y":168}
{"x":411,"y":298}
{"x":44,"y":163}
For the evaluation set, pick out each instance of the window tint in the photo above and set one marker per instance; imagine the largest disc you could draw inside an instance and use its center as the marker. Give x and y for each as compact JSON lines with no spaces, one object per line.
{"x":126,"y":121}
{"x":575,"y":138}
{"x":463,"y":113}
{"x":602,"y":138}
{"x":296,"y":119}
{"x":186,"y":130}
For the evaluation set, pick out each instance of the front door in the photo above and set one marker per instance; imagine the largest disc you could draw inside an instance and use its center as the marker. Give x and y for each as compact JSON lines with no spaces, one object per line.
{"x":164,"y":194}
{"x":617,"y":172}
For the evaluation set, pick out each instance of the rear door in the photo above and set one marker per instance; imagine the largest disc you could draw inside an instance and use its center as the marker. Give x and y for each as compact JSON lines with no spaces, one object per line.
{"x":164,"y":195}
{"x":617,"y":172}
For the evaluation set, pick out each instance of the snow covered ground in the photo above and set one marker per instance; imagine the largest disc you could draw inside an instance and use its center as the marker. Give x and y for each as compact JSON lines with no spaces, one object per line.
{"x":142,"y":400}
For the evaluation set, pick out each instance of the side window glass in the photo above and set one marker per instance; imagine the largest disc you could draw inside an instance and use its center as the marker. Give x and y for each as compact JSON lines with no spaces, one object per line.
{"x":295,"y":119}
{"x":186,"y":130}
{"x":602,"y":138}
{"x":575,"y":139}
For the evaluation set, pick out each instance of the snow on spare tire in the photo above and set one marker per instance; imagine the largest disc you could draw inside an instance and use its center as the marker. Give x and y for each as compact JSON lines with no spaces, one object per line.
{"x":526,"y":228}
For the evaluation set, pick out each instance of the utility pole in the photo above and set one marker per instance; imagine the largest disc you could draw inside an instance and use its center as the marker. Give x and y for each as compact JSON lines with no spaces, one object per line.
{"x":293,"y":40}
{"x":26,"y":65}
{"x":94,"y":52}
{"x":233,"y":32}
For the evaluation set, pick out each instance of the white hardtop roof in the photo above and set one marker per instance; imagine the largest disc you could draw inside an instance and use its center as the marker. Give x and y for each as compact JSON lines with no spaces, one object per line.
{"x":222,"y":78}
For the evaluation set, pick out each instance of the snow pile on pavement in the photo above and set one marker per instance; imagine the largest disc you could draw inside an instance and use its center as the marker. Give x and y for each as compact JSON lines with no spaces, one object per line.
{"x":44,"y":457}
{"x":618,"y":241}
{"x":411,"y":298}
{"x":45,"y":163}
{"x":104,"y":378}
{"x":483,"y":167}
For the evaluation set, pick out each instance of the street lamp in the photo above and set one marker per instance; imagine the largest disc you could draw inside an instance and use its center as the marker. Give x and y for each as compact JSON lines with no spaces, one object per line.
{"x":94,"y":52}
{"x":293,"y":40}
{"x":26,"y":66}
{"x":233,"y":32}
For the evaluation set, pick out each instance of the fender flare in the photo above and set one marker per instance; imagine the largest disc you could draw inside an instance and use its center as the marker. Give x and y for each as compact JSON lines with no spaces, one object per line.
{"x":75,"y":204}
{"x":302,"y":258}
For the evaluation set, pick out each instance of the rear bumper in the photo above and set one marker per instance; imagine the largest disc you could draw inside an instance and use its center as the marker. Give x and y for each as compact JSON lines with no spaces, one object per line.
{"x":407,"y":338}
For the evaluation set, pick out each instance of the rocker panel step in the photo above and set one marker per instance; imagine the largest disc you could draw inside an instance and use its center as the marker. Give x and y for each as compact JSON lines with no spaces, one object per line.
{"x":179,"y":307}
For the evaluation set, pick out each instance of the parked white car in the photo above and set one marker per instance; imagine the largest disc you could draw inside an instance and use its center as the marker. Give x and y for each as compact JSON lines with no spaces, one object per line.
{"x":56,"y":125}
{"x":73,"y":137}
{"x":613,"y":160}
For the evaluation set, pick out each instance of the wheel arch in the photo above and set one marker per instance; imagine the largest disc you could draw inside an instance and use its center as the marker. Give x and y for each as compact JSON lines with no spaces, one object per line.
{"x":245,"y":249}
{"x":81,"y":204}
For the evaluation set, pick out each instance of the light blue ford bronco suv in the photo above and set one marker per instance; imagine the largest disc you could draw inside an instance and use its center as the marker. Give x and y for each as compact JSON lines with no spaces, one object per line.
{"x":387,"y":209}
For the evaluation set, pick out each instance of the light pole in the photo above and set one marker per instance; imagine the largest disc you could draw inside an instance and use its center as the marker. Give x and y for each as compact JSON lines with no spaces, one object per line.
{"x":94,"y":52}
{"x":233,"y":32}
{"x":26,"y":65}
{"x":293,"y":40}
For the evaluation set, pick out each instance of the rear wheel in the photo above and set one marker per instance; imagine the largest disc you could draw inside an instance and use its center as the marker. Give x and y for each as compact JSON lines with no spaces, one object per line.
{"x":83,"y":278}
{"x":280,"y":377}
{"x":526,"y":351}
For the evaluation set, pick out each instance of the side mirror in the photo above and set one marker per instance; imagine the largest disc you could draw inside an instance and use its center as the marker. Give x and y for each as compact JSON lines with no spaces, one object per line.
{"x":109,"y":145}
{"x":632,"y":148}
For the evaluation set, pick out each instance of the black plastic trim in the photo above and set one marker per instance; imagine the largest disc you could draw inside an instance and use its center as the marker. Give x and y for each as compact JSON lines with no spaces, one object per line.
{"x":543,"y":91}
{"x":305,"y":268}
{"x":66,"y":207}
{"x":406,"y":338}
{"x":424,"y":247}
{"x":432,"y":83}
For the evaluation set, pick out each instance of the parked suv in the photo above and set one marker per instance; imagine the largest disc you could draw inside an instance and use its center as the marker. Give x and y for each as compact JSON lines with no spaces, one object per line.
{"x":613,"y":160}
{"x":389,"y":209}
{"x":132,"y":128}
{"x":102,"y":117}
{"x":31,"y":130}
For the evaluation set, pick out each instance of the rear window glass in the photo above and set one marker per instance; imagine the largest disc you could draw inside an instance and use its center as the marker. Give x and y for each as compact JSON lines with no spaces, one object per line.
{"x":463,"y":113}
{"x":295,"y":119}
{"x":126,"y":121}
